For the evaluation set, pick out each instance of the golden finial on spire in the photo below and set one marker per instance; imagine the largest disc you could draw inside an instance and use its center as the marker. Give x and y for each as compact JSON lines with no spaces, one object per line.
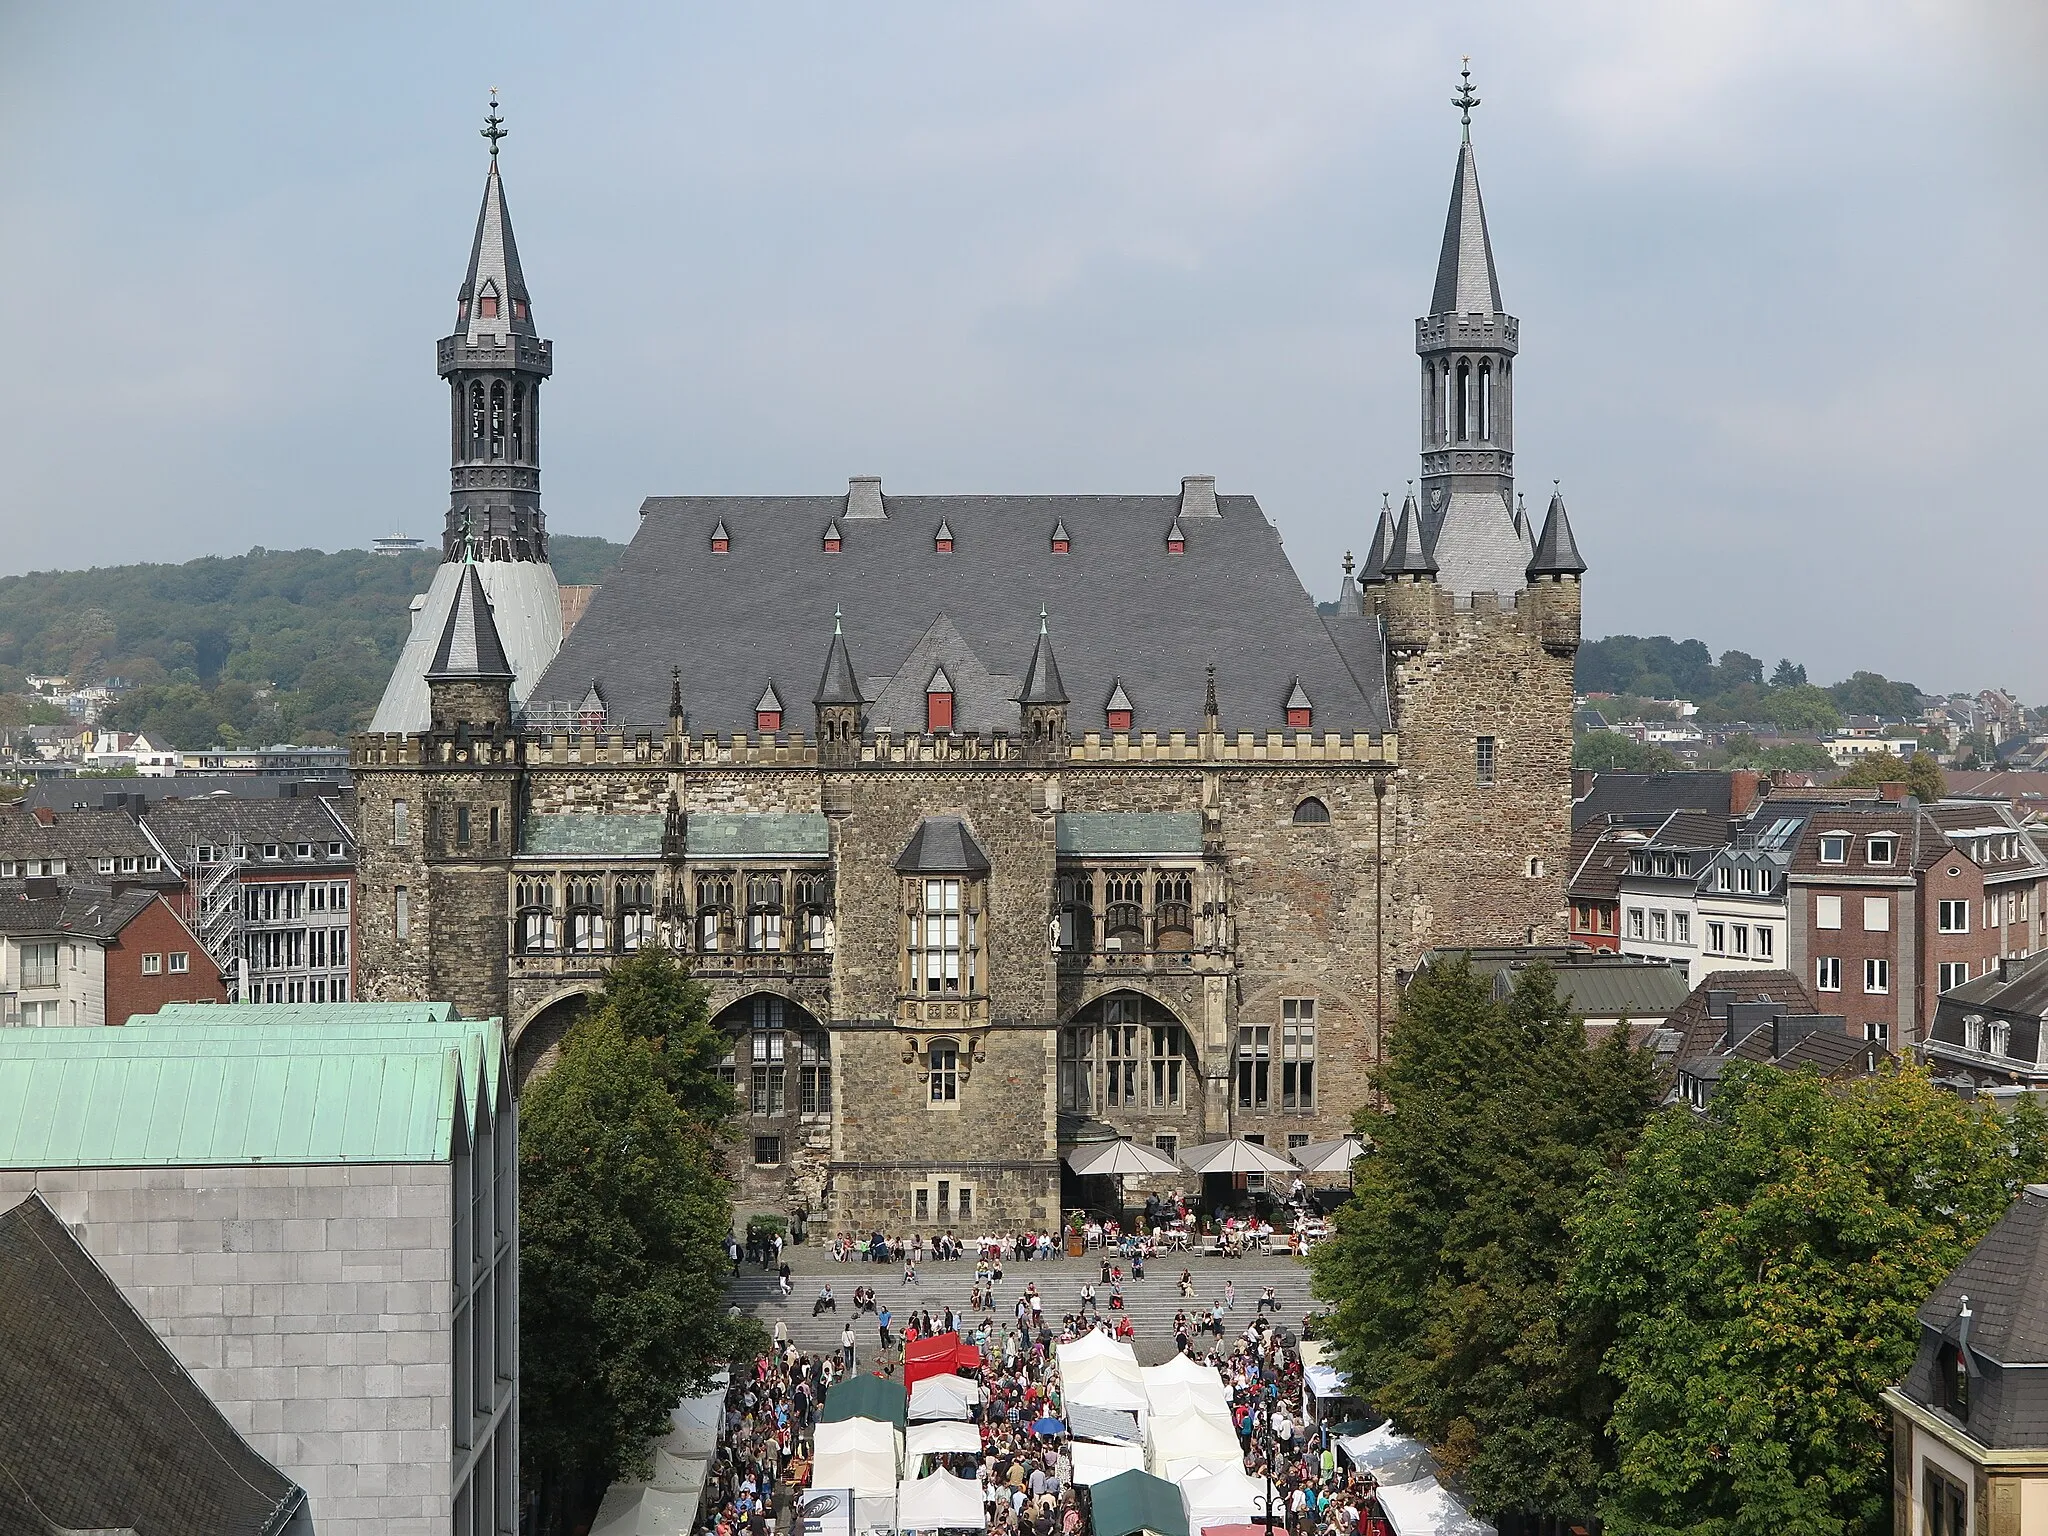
{"x":494,"y":127}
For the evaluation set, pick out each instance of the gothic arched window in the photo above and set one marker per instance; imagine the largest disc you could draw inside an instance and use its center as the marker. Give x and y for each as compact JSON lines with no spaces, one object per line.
{"x":1173,"y":910}
{"x":1124,"y":1052}
{"x":476,"y":420}
{"x":498,"y":419}
{"x":636,"y":913}
{"x":1485,"y":402}
{"x":587,"y":927}
{"x":519,"y":421}
{"x":1463,"y":400}
{"x":535,"y":931}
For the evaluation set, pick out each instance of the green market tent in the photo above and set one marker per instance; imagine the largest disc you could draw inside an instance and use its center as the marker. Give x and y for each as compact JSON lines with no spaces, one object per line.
{"x":867,"y":1397}
{"x":1138,"y":1501}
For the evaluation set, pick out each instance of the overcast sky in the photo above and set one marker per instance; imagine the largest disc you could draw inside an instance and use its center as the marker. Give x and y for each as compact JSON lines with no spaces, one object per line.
{"x":1778,"y":268}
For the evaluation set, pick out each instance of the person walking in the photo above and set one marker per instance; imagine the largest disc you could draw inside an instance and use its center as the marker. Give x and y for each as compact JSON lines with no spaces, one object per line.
{"x":846,"y":1348}
{"x":882,"y":1322}
{"x":1230,"y":1295}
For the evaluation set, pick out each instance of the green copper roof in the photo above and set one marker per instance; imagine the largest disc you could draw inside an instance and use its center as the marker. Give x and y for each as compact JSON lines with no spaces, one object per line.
{"x":589,"y":835}
{"x":218,"y":1093}
{"x":731,"y":835}
{"x":299,"y":1013}
{"x":1109,"y":833}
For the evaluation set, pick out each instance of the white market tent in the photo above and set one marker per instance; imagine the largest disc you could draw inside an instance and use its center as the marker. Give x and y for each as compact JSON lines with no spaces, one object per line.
{"x":1182,"y":1386}
{"x":941,"y":1502}
{"x":943,"y":1397}
{"x":1100,"y":1372}
{"x":1427,"y":1508}
{"x":1390,"y":1456}
{"x":862,"y":1454}
{"x":1189,"y":1436}
{"x":1093,"y":1463}
{"x":1108,"y":1390}
{"x":1093,"y":1345}
{"x":666,"y":1504}
{"x":1181,"y":1468}
{"x":1227,"y":1498}
{"x":940,"y":1437}
{"x":639,"y":1509}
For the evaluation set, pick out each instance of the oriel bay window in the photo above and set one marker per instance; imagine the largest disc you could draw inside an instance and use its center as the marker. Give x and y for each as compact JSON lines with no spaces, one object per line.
{"x":943,"y":934}
{"x":1122,"y":1053}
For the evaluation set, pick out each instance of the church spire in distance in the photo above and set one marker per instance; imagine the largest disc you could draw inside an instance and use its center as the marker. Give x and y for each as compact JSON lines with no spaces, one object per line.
{"x":495,"y":362}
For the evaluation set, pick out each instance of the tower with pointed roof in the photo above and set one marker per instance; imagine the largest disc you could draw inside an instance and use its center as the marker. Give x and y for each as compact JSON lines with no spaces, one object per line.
{"x":1043,"y":701}
{"x":495,"y":362}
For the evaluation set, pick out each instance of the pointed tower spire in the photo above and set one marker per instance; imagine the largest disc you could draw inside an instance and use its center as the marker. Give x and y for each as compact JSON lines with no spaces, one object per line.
{"x":1042,"y":683}
{"x":494,"y":362}
{"x":1409,"y":555}
{"x":1375,"y":569}
{"x":1557,"y":552}
{"x":838,"y":685}
{"x":1349,"y":598}
{"x":1465,"y":280}
{"x":470,"y":648}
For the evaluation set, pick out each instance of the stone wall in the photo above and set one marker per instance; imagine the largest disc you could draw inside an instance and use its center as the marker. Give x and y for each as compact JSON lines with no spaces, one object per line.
{"x":312,"y":1304}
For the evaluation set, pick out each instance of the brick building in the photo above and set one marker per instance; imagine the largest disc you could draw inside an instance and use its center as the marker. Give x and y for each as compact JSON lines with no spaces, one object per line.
{"x":76,"y":953}
{"x":990,"y":821}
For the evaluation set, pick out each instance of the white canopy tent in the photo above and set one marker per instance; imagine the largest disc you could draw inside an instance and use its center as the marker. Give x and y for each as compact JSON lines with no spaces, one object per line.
{"x":1182,"y":1386}
{"x":1100,"y":1372}
{"x":940,"y":1437}
{"x":1427,"y":1508}
{"x":1122,"y":1159}
{"x":1093,"y":1345}
{"x":1093,"y":1463}
{"x":1180,"y":1469}
{"x":1390,"y":1456}
{"x":1106,"y":1389}
{"x":1227,"y":1498}
{"x":943,"y":1397}
{"x":865,"y":1455}
{"x":941,"y":1502}
{"x":639,"y":1509}
{"x":1188,"y":1436}
{"x":666,"y":1504}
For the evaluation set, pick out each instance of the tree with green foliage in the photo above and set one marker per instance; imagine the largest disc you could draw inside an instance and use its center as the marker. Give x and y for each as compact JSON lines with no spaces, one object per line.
{"x":1446,"y":1266}
{"x":1921,"y":774}
{"x":1802,"y":707}
{"x":1872,"y":693}
{"x":653,"y":997}
{"x":1787,"y":675}
{"x":1743,"y":751}
{"x":1612,"y":752}
{"x":623,"y":1218}
{"x":1758,"y":1268}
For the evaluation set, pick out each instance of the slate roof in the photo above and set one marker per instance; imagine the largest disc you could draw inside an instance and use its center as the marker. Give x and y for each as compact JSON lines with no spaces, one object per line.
{"x":1645,"y":794}
{"x":494,"y":260}
{"x":1466,"y":283}
{"x":64,"y":906}
{"x":1556,"y":552}
{"x":2023,"y":991}
{"x":1120,"y":605}
{"x":72,"y":835}
{"x":2006,"y":1279}
{"x":1107,"y":834}
{"x":1600,"y":857}
{"x":1474,"y":546}
{"x":738,"y":835}
{"x":470,"y":646}
{"x":101,"y":1429}
{"x":583,"y":834}
{"x":1701,"y":1035}
{"x":66,"y":795}
{"x":942,"y":845}
{"x":229,"y":820}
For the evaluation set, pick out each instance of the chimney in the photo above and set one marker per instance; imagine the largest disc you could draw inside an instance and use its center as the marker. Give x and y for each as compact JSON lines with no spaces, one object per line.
{"x":1718,"y":1000}
{"x":2004,"y":969}
{"x":1789,"y":1029}
{"x":1746,"y":1017}
{"x":864,"y":497}
{"x":1198,"y":496}
{"x":1582,"y":783}
{"x":1744,"y":785}
{"x":45,"y":816}
{"x":1891,"y":792}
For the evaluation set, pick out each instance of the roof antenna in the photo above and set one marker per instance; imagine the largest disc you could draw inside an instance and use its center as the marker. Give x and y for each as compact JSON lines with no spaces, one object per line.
{"x":1465,"y":101}
{"x":494,"y":127}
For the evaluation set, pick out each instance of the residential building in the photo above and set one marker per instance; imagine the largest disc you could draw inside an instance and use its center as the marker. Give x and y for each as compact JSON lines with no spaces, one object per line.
{"x":339,"y":1279}
{"x":1660,"y":888}
{"x":1640,"y":797}
{"x":1077,"y":815}
{"x":1602,"y":989}
{"x":1970,"y":1421}
{"x":76,"y":953}
{"x":104,"y":845}
{"x":1602,"y":851}
{"x":101,"y":1428}
{"x":1743,"y":913}
{"x":1768,"y":1018}
{"x":1988,"y":1036}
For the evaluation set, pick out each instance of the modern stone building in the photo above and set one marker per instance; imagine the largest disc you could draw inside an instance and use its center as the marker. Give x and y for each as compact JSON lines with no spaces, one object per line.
{"x":316,"y":1209}
{"x":1000,"y":822}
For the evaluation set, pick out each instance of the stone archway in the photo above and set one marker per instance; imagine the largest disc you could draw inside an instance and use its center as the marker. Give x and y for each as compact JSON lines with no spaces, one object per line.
{"x":535,"y":1045}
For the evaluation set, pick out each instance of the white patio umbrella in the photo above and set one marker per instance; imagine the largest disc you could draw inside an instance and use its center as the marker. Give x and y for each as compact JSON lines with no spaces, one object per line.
{"x":1123,"y":1160}
{"x":1235,"y":1156}
{"x":1329,"y":1156}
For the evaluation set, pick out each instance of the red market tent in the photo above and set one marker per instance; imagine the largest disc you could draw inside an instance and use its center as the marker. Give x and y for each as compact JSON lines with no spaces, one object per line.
{"x":940,"y":1355}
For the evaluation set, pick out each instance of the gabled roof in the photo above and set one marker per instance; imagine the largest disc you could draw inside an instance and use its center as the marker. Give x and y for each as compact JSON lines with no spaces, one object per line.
{"x":1118,"y":699}
{"x":1123,"y":607}
{"x":494,"y":266}
{"x":104,"y":1430}
{"x":73,"y":908}
{"x":1637,"y":795}
{"x":85,"y":834}
{"x":1465,"y":279}
{"x":470,"y":647}
{"x":1701,"y":1033}
{"x":942,"y":845}
{"x":770,"y":701}
{"x":1297,"y":697}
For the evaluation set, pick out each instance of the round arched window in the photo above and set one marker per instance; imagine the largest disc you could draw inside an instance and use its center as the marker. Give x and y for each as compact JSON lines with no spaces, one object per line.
{"x":1311,"y":813}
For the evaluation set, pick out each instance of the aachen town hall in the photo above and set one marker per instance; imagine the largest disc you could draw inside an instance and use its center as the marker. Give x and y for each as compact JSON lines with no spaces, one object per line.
{"x":995,"y":824}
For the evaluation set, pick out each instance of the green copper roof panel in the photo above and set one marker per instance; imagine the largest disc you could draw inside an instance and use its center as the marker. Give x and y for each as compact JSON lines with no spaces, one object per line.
{"x":732,"y":835}
{"x":298,"y":1013}
{"x":1112,"y":833}
{"x":591,"y":836}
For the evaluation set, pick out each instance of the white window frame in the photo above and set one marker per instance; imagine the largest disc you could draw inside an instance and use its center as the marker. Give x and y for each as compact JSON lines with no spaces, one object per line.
{"x":1827,"y":912}
{"x":1827,"y":973}
{"x":1880,"y":908}
{"x":1952,"y":916}
{"x":1884,"y":841}
{"x":1877,"y":976}
{"x":1840,"y":842}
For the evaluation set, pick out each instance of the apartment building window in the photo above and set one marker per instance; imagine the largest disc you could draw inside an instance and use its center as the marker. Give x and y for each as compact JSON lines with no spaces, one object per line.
{"x":152,"y":964}
{"x":1254,"y":1065}
{"x":1827,"y":911}
{"x":944,"y":1064}
{"x":1943,"y":1500}
{"x":1877,"y":914}
{"x":41,"y":1015}
{"x":1877,"y":1031}
{"x":1827,"y":974}
{"x":1834,"y":848}
{"x":1717,"y":938}
{"x":1722,"y":880}
{"x":1482,"y":759}
{"x":1764,"y":943}
{"x":1635,"y":922}
{"x":1882,"y":849}
{"x":2001,"y":1037}
{"x":1877,"y":975}
{"x":39,"y":965}
{"x":1681,"y":927}
{"x":1660,"y":926}
{"x":1951,"y":974}
{"x":1741,"y":938}
{"x":1298,"y":1054}
{"x":1990,"y":911}
{"x":1953,"y":917}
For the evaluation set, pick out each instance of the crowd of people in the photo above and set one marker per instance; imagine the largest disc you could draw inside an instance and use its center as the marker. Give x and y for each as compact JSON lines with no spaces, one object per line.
{"x":763,"y":1460}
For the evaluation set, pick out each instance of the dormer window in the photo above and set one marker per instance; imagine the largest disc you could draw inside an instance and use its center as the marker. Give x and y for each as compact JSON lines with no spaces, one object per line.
{"x":1882,"y":849}
{"x":721,"y":541}
{"x":487,"y":305}
{"x":1834,"y":848}
{"x":768,"y":711}
{"x":1300,"y":713}
{"x":938,"y":701}
{"x":1117,"y":713}
{"x":832,"y":539}
{"x":1060,"y":542}
{"x":1176,"y":541}
{"x":942,"y":541}
{"x":519,"y":309}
